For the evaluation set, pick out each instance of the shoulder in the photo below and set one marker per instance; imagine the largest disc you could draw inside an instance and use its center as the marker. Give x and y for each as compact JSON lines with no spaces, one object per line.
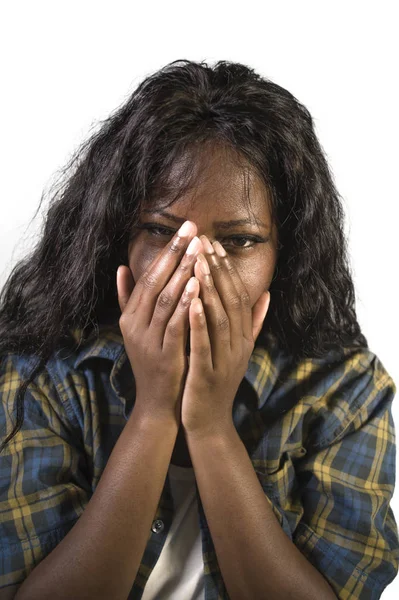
{"x":327,"y":396}
{"x":341,"y":390}
{"x":63,"y":384}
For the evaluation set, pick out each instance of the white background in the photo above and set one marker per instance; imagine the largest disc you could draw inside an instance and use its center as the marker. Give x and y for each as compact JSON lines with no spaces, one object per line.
{"x":67,"y":65}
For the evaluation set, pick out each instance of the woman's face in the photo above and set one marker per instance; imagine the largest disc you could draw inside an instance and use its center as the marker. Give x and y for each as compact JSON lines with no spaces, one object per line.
{"x":217,"y":200}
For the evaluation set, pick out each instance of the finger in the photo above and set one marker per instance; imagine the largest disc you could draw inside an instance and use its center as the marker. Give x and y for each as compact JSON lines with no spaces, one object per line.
{"x":216,"y":317}
{"x":259,"y":312}
{"x":177,"y":327}
{"x":170,"y":295}
{"x":200,"y":344}
{"x":124,"y":285}
{"x":230,"y":298}
{"x":245,"y":310}
{"x":156,"y":276}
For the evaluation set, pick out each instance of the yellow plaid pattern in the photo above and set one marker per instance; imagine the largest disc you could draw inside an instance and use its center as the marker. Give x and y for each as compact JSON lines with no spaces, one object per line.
{"x":320,"y":435}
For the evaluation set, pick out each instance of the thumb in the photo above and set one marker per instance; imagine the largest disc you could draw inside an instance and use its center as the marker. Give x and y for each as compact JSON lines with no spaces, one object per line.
{"x":124,"y":285}
{"x":259,"y":312}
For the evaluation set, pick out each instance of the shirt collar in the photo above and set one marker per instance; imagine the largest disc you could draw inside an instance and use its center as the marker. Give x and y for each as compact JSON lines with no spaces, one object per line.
{"x":106,"y":343}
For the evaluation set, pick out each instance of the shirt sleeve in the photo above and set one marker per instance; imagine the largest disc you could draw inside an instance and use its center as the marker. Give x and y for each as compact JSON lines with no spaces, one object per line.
{"x":43,"y":483}
{"x":348,"y":530}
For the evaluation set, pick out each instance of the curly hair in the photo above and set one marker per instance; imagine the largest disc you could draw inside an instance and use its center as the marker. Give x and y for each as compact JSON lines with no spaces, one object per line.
{"x":68,"y":282}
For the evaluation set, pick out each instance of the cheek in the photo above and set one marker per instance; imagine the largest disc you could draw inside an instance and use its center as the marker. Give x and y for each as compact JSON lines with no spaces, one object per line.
{"x":140,"y":259}
{"x":253,"y":284}
{"x":256,"y":279}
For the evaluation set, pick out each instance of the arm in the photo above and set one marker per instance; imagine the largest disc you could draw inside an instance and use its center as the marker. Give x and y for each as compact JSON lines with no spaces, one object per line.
{"x":347,"y":531}
{"x":252,"y":549}
{"x":100,"y":556}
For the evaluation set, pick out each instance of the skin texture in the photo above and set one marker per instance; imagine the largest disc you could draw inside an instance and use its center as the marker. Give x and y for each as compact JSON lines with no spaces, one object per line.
{"x":221,"y":194}
{"x":218,"y":197}
{"x":221,"y":463}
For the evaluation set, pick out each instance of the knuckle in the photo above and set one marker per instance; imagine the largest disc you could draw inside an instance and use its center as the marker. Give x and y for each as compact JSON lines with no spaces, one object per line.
{"x":175,"y":247}
{"x":216,"y":267}
{"x":222,"y":323}
{"x":230,"y":268}
{"x":173,"y":329}
{"x":202,"y":351}
{"x":245,"y":299}
{"x":185,"y":300}
{"x":148,"y":280}
{"x":184,"y":267}
{"x":209,"y":285}
{"x":165,"y":300}
{"x":235,"y":301}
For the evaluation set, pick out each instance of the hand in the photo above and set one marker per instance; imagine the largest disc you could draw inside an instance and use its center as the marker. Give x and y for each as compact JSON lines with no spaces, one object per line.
{"x":154,"y":325}
{"x":222,"y":339}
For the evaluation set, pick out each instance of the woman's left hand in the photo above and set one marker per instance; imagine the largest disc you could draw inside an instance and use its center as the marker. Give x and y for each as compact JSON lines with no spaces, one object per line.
{"x":222,"y":339}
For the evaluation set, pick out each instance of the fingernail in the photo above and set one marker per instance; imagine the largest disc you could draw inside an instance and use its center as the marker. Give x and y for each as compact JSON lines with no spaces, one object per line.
{"x":203,"y":264}
{"x":185,"y":229}
{"x":207,"y":245}
{"x":219,"y":249}
{"x":191,"y":285}
{"x":193,"y":245}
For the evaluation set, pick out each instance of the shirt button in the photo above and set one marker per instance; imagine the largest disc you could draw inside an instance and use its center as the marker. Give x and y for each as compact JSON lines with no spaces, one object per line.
{"x":157,"y":526}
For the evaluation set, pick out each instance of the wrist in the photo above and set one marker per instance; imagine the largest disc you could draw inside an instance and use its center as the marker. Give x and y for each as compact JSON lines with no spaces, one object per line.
{"x":166,"y":418}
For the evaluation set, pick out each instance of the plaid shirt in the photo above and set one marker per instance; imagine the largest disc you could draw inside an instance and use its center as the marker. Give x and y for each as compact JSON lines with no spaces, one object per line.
{"x":320,"y":435}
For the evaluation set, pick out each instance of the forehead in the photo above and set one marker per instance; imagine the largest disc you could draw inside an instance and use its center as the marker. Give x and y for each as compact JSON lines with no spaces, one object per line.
{"x":222,"y":185}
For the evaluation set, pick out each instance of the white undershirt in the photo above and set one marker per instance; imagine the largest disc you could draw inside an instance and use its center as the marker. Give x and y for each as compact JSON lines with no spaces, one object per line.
{"x":179,"y":571}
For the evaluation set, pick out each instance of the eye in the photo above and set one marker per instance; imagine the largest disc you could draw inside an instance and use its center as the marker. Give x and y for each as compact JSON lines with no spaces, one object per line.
{"x":245,"y":238}
{"x":158,"y":231}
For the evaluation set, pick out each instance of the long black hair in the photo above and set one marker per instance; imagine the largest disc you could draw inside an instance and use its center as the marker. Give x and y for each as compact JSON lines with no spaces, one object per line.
{"x":68,"y":282}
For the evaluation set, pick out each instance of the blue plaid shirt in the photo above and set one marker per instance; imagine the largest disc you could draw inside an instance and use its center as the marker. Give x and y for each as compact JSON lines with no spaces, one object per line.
{"x":320,"y":435}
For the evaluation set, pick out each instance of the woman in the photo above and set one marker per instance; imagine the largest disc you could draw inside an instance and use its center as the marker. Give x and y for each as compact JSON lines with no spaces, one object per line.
{"x":231,"y":438}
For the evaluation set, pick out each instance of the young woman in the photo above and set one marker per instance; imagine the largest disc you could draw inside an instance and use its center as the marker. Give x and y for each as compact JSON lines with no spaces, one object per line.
{"x":189,"y":408}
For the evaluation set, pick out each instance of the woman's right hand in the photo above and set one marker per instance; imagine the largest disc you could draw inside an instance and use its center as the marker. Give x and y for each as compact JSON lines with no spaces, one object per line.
{"x":155,"y":322}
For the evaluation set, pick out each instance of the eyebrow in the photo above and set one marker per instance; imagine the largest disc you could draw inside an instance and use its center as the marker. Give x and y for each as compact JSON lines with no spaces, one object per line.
{"x":220,"y":224}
